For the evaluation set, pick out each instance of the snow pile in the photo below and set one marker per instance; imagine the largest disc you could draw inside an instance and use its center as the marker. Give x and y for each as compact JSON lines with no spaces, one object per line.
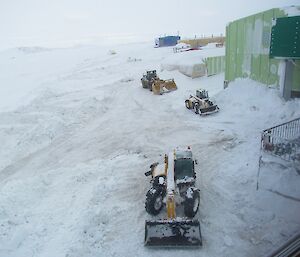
{"x":191,"y":63}
{"x":210,"y":46}
{"x":32,"y":50}
{"x":242,"y":100}
{"x":291,"y":10}
{"x":181,"y":47}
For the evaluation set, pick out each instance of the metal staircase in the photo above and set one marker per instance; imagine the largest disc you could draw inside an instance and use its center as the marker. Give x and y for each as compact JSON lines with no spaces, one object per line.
{"x":283,"y":141}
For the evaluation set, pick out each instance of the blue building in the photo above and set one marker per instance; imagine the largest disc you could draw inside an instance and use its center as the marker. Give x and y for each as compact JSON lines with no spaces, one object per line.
{"x":166,"y":41}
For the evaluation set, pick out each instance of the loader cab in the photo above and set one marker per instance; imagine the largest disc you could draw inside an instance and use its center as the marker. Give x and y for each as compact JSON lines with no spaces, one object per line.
{"x":151,"y":74}
{"x":183,"y":165}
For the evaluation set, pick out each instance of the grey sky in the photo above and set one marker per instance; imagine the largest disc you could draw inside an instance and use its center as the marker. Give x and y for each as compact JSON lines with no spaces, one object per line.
{"x":69,"y":22}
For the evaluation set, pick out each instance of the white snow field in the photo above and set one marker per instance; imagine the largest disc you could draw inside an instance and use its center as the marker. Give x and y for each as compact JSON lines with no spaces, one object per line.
{"x":78,"y":131}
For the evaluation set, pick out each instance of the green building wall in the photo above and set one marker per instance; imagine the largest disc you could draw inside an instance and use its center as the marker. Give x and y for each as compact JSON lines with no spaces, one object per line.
{"x":215,"y":65}
{"x":247,"y":50}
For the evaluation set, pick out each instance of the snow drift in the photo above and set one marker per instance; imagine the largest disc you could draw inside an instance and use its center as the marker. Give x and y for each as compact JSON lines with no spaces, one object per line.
{"x":191,"y":63}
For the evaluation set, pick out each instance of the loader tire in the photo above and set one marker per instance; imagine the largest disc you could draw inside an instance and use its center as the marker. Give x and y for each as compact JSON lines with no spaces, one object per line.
{"x":192,"y":202}
{"x":154,"y":201}
{"x":159,"y":182}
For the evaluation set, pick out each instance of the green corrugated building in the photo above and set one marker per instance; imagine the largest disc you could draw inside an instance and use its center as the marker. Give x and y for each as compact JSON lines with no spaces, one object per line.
{"x":248,"y":42}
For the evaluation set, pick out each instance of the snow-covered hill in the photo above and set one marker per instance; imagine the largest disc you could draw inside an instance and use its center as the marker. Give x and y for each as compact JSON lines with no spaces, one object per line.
{"x":78,"y":132}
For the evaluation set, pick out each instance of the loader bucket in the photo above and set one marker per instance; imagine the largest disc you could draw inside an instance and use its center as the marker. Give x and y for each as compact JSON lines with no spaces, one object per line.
{"x":170,"y":85}
{"x":209,"y":110}
{"x":157,"y":88}
{"x":163,"y":86}
{"x":176,"y":232}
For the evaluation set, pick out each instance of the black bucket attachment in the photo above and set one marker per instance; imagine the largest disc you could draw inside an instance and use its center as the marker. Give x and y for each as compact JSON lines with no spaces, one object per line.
{"x":177,"y":232}
{"x":209,"y":110}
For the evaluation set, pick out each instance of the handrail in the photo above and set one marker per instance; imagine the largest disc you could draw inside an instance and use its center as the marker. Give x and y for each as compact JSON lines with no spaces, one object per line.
{"x":290,"y":249}
{"x":283,"y":140}
{"x":297,"y":119}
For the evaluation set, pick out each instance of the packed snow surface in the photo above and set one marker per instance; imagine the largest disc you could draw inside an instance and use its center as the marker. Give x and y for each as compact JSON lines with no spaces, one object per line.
{"x":78,"y":132}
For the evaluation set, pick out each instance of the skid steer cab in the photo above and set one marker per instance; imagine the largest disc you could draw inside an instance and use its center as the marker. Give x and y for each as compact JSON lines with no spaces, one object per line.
{"x":173,"y":187}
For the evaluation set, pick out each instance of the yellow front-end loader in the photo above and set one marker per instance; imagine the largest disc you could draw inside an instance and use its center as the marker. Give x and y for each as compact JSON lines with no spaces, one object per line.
{"x":158,"y":86}
{"x":173,"y":182}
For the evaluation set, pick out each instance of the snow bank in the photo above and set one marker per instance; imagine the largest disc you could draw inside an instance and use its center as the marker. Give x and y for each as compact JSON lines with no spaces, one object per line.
{"x":210,"y":46}
{"x":191,"y":63}
{"x":291,"y":10}
{"x":32,"y":50}
{"x":181,"y":47}
{"x":243,"y":99}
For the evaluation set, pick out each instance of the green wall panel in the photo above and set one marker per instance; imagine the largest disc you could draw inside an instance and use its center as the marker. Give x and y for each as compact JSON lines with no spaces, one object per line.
{"x":255,"y":67}
{"x":273,"y":74}
{"x":264,"y":69}
{"x":247,"y":49}
{"x":240,"y":48}
{"x":215,"y":65}
{"x":232,"y":52}
{"x":227,"y":49}
{"x":296,"y":76}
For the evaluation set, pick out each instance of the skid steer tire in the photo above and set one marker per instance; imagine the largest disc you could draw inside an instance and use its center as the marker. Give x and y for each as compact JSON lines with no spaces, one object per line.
{"x":154,"y":201}
{"x":187,"y":104}
{"x":192,"y":202}
{"x":196,"y":108}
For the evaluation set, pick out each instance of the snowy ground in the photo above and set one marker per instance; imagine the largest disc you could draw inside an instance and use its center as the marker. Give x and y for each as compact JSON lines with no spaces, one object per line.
{"x":78,"y":132}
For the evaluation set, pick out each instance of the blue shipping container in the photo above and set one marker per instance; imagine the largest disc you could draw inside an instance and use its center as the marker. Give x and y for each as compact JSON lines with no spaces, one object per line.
{"x":166,"y":41}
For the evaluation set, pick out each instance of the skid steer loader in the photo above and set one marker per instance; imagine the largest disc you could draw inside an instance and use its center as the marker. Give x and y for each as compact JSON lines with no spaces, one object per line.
{"x":200,"y":103}
{"x":173,"y":184}
{"x":158,"y":86}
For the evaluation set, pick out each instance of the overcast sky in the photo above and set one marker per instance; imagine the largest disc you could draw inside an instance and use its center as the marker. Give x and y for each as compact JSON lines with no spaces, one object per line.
{"x":70,"y":22}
